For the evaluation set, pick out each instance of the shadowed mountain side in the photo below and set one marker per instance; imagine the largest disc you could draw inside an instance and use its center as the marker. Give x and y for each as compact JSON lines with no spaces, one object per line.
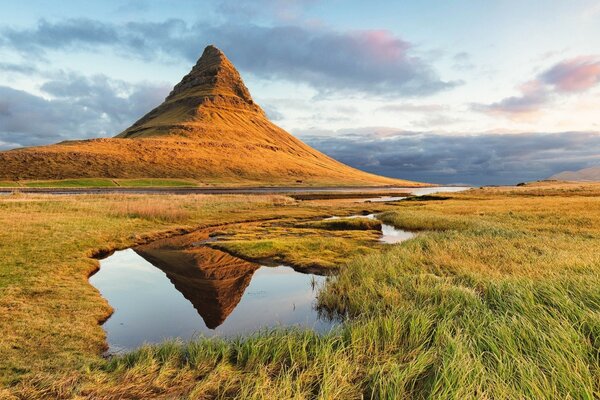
{"x":213,"y":281}
{"x":208,"y":128}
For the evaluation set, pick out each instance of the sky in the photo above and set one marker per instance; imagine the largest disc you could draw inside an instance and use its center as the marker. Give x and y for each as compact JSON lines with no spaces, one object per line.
{"x":475,"y":92}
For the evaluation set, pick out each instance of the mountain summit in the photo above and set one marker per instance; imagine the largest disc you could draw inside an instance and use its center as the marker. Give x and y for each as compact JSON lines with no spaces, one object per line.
{"x":208,"y":128}
{"x":213,"y":85}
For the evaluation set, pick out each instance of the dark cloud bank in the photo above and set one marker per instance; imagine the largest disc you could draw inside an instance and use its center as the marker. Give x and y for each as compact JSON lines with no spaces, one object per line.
{"x":375,"y":61}
{"x":474,"y":159}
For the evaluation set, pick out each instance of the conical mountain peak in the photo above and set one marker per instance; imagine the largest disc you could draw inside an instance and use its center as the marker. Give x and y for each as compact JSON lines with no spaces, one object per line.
{"x":213,"y":74}
{"x":210,"y":96}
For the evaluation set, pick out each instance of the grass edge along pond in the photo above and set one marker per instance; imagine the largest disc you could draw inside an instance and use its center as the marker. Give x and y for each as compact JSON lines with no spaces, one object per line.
{"x":498,"y":298}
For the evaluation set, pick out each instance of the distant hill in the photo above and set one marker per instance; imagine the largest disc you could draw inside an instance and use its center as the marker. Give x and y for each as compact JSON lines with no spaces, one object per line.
{"x":591,"y":174}
{"x":208,"y":128}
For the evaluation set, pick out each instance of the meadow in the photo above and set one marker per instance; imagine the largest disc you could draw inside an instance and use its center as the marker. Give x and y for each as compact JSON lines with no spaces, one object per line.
{"x":497,"y":297}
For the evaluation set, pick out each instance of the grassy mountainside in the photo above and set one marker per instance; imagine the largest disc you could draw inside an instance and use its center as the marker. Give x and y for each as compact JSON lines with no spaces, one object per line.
{"x":208,"y":129}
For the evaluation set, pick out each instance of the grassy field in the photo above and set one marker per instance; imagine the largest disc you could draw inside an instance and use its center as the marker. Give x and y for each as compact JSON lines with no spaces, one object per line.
{"x":67,"y":183}
{"x":102,"y":182}
{"x":155,"y":182}
{"x":8,"y":184}
{"x":498,"y":297}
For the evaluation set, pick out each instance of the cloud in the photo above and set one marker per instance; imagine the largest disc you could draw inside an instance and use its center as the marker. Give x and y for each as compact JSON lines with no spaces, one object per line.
{"x":18,"y":68}
{"x":569,"y":76}
{"x":475,"y":159}
{"x":375,"y":62}
{"x":77,"y":107}
{"x":574,"y":75}
{"x":413,"y":108}
{"x":534,"y":95}
{"x":281,"y":10}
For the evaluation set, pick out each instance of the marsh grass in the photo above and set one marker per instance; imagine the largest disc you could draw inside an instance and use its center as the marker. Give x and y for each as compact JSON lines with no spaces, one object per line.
{"x":154,"y":209}
{"x":498,"y":298}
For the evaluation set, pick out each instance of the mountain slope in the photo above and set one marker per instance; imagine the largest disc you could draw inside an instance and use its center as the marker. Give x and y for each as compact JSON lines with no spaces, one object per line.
{"x":590,"y":174}
{"x":208,"y":128}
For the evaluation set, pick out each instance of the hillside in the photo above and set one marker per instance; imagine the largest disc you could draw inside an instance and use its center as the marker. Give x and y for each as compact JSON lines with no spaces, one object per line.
{"x":591,"y":174}
{"x":208,"y":129}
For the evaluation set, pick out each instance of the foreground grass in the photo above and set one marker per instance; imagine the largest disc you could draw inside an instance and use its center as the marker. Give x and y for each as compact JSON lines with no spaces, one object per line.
{"x":499,"y":297}
{"x":50,"y":313}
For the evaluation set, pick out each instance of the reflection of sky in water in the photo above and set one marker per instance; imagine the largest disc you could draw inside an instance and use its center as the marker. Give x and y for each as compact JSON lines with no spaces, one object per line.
{"x":148,"y":308}
{"x":389,"y":234}
{"x":419,"y":192}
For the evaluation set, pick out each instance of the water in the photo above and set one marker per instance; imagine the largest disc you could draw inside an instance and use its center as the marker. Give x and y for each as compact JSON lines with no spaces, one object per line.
{"x":160,"y":292}
{"x":179,"y":288}
{"x":389,"y":234}
{"x":439,"y":189}
{"x":382,"y":199}
{"x":419,"y":192}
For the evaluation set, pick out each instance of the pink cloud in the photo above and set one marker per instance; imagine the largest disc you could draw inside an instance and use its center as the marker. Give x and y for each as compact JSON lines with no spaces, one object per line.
{"x":382,"y":44}
{"x":569,"y":76}
{"x":574,"y":75}
{"x":533,"y":96}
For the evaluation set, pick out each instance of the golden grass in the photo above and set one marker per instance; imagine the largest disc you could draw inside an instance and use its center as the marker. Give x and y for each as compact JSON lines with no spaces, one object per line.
{"x":499,"y":297}
{"x":152,"y":210}
{"x":45,"y":245}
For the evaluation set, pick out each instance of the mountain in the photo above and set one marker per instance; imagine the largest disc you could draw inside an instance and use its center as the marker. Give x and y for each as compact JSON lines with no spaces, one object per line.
{"x":208,"y":129}
{"x":591,"y":174}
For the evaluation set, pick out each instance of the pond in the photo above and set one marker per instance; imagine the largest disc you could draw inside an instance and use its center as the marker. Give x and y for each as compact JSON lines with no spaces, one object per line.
{"x":160,"y":292}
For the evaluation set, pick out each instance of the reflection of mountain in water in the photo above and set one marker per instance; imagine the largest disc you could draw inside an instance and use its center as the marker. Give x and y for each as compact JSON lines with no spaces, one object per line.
{"x":213,"y":281}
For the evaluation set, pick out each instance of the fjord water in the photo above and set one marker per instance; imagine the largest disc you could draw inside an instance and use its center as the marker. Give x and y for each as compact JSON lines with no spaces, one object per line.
{"x":214,"y":295}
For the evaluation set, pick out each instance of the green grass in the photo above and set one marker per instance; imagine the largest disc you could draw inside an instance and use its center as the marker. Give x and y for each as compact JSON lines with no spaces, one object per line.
{"x":71,"y":183}
{"x":307,"y":252}
{"x":9,"y":184}
{"x":497,"y":298}
{"x":155,"y":182}
{"x":102,"y":182}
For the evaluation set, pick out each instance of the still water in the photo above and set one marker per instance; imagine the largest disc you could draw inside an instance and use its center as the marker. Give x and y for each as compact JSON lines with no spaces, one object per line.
{"x":389,"y":234}
{"x":160,"y":293}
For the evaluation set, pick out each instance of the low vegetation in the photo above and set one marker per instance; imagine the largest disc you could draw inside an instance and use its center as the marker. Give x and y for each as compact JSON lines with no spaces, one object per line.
{"x":318,"y":245}
{"x":499,"y":297}
{"x":68,"y":183}
{"x":156,"y":182}
{"x":8,"y":184}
